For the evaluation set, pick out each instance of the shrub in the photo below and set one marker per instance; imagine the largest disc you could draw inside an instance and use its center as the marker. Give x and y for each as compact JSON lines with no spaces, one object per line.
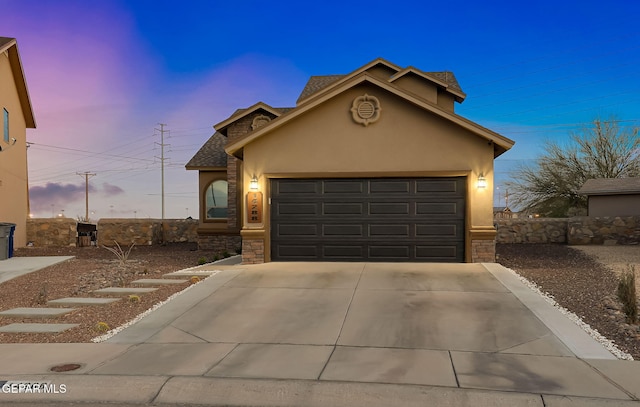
{"x":102,"y":327}
{"x":194,"y":279}
{"x":627,"y":294}
{"x":120,"y":253}
{"x":226,"y":254}
{"x":134,"y":298}
{"x":202,"y":260}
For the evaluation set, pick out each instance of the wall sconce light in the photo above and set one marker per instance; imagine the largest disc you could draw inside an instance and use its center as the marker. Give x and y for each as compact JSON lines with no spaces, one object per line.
{"x":482,"y":181}
{"x":253,"y":185}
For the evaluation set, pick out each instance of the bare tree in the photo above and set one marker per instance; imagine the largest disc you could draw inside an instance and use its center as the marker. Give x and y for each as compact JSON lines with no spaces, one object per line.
{"x":550,"y":186}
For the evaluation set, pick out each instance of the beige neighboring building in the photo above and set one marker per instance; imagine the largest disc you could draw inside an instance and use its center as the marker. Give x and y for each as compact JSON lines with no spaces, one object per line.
{"x":374,"y":165}
{"x":16,"y":115}
{"x":612,"y":196}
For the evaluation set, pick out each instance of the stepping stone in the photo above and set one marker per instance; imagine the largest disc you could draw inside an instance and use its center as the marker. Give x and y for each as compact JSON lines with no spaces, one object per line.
{"x":183,"y":273}
{"x":158,"y":281}
{"x":35,"y":312}
{"x":122,"y":291}
{"x":36,"y":328}
{"x":82,"y":301}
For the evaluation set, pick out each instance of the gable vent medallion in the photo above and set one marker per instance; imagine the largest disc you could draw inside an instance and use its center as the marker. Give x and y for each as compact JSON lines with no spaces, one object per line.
{"x":365,"y":109}
{"x":260,"y":121}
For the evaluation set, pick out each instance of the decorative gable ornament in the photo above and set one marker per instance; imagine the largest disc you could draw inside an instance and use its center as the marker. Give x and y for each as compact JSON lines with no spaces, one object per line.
{"x":365,"y":109}
{"x":260,"y":121}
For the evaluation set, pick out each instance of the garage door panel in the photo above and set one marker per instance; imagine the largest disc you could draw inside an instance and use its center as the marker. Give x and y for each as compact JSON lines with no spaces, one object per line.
{"x":380,"y":208}
{"x":438,"y":208}
{"x":451,"y":187}
{"x":389,"y":230}
{"x":297,"y":187}
{"x":404,"y":220}
{"x":343,"y":252}
{"x":344,"y":187}
{"x":297,"y":230}
{"x":343,"y":208}
{"x":343,"y":230}
{"x":391,"y":185}
{"x":438,"y":252}
{"x":439,"y":230}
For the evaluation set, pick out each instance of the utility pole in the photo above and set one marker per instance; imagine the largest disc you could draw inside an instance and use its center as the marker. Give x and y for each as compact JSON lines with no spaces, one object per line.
{"x":162,"y":145}
{"x":86,"y":176}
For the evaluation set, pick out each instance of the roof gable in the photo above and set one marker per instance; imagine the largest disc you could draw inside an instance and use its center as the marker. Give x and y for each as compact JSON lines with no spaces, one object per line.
{"x":318,"y":83}
{"x":444,"y":80}
{"x":241,"y":113}
{"x":501,"y":143}
{"x":611,"y":186}
{"x":10,"y":46}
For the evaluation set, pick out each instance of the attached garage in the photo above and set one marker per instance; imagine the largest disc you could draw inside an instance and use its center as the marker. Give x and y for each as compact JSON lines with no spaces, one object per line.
{"x":375,"y":219}
{"x":374,"y":165}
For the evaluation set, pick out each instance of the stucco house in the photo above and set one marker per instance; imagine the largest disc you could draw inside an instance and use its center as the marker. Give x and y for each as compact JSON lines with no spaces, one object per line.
{"x":374,"y":165}
{"x":612,"y":196}
{"x":16,"y":115}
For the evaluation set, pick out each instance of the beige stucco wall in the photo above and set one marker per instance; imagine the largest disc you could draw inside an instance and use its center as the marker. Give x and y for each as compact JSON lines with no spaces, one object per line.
{"x":14,"y":205}
{"x":614,"y":205}
{"x":405,"y":141}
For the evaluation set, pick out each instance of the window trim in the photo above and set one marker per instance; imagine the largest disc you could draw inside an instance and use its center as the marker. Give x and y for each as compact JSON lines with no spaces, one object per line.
{"x":5,"y":124}
{"x":206,"y":207}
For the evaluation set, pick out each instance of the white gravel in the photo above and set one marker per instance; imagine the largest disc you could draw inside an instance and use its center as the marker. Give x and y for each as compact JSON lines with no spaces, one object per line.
{"x":608,"y":344}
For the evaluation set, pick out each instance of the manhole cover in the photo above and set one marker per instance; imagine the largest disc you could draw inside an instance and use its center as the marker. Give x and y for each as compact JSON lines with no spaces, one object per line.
{"x":66,"y":367}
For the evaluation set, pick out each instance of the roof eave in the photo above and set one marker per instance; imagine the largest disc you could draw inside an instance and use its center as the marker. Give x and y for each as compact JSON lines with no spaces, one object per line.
{"x":11,"y":48}
{"x":501,"y":143}
{"x":222,"y":126}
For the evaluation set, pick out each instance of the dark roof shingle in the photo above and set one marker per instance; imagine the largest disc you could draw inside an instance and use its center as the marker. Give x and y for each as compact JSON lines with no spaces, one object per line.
{"x":211,"y":154}
{"x":611,"y":186}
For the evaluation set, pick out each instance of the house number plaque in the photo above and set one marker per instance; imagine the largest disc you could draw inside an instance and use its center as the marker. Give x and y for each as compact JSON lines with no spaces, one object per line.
{"x":254,"y":207}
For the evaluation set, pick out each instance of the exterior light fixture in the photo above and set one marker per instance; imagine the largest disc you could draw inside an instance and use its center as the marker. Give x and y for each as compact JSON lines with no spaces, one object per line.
{"x":482,"y":181}
{"x":253,"y":185}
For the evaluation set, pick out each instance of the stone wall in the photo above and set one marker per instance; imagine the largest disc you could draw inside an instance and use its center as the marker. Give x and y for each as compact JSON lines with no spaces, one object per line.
{"x":51,"y":232}
{"x":604,"y":230}
{"x":146,"y":232}
{"x":62,"y":231}
{"x":536,"y":230}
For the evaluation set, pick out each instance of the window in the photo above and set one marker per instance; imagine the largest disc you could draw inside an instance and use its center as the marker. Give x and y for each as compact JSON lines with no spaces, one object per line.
{"x":5,"y":121}
{"x":216,"y":200}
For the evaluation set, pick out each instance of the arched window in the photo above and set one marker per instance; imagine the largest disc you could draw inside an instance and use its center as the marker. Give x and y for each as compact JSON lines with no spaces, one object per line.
{"x":216,"y":200}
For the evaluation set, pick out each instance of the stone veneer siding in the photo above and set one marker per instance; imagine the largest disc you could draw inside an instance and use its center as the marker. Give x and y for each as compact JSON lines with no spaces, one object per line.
{"x":252,"y":251}
{"x":219,"y":243}
{"x":483,"y":251}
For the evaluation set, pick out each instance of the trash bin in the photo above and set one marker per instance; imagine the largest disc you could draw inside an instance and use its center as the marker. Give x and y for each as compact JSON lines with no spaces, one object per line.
{"x":6,"y":240}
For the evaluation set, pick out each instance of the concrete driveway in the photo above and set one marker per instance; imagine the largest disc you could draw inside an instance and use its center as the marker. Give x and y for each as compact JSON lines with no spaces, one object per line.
{"x":445,"y":333}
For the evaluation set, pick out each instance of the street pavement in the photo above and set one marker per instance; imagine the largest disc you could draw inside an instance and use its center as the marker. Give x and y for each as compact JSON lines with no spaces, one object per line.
{"x":337,"y":334}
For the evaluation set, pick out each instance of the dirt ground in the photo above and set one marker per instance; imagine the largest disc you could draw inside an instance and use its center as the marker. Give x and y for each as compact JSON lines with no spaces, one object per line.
{"x":582,"y":279}
{"x":92,"y":269}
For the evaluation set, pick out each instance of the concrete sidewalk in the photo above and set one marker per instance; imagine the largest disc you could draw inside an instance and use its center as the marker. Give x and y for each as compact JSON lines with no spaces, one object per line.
{"x":340,"y":334}
{"x":17,"y":266}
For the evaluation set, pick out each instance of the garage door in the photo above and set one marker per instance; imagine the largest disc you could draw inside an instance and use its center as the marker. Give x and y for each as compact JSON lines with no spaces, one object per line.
{"x":377,"y":219}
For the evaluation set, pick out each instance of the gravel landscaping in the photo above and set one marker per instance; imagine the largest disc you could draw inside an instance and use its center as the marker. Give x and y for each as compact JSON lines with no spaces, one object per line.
{"x":92,"y":269}
{"x":582,"y":279}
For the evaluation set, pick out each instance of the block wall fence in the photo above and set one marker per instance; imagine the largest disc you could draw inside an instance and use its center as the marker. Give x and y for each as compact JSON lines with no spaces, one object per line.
{"x":581,"y":230}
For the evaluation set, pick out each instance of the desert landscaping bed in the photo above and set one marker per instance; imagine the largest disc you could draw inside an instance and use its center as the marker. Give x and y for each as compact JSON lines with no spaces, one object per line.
{"x":93,"y":268}
{"x":582,"y":279}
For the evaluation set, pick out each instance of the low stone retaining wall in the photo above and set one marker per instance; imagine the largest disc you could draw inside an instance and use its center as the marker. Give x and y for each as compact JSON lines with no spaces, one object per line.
{"x":63,"y":231}
{"x":51,"y":232}
{"x":536,"y":230}
{"x":604,"y":230}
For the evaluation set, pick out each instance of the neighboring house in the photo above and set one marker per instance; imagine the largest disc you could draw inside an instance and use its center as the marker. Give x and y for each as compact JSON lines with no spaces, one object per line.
{"x":16,"y":116}
{"x":370,"y":166}
{"x":612,"y":196}
{"x":503,"y":212}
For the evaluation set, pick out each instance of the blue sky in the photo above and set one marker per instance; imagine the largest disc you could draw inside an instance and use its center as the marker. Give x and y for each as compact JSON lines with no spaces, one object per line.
{"x":103,"y":74}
